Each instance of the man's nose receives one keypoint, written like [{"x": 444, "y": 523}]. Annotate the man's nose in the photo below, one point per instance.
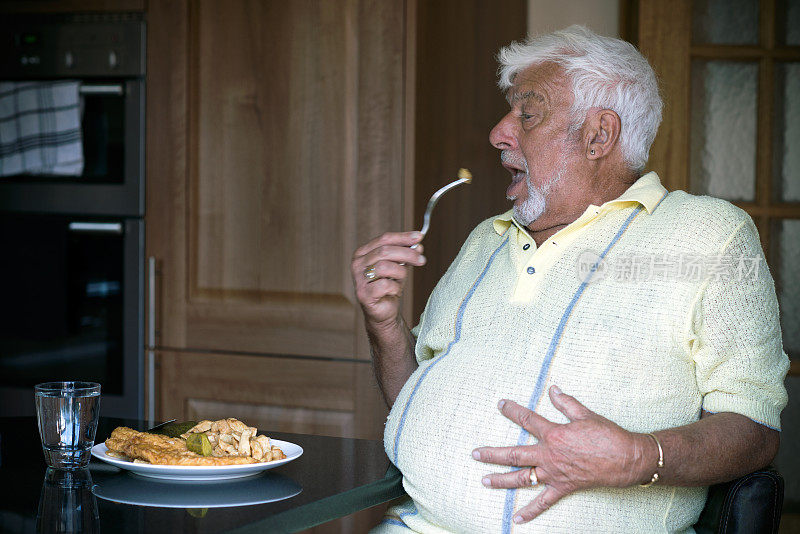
[{"x": 502, "y": 135}]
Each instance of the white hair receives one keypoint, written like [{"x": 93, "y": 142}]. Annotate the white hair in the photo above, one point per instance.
[{"x": 605, "y": 72}]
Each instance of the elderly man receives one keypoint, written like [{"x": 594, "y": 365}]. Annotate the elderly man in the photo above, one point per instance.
[{"x": 571, "y": 372}]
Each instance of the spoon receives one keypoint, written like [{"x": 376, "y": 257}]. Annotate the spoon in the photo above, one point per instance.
[{"x": 464, "y": 177}]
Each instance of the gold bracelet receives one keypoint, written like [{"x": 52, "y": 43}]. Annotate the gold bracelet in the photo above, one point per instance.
[{"x": 660, "y": 462}]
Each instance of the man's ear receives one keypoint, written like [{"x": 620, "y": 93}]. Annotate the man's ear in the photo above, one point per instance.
[{"x": 602, "y": 134}]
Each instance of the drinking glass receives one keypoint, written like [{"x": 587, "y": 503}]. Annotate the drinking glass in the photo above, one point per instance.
[{"x": 67, "y": 413}]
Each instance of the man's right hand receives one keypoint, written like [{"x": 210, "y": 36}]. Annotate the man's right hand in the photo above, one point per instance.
[{"x": 380, "y": 269}]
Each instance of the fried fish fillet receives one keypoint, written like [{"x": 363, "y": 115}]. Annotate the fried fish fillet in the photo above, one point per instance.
[{"x": 162, "y": 450}]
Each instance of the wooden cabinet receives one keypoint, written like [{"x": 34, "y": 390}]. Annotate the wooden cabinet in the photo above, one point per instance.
[
  {"x": 281, "y": 394},
  {"x": 275, "y": 146}
]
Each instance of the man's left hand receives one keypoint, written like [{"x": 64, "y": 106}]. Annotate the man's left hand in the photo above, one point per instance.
[{"x": 588, "y": 451}]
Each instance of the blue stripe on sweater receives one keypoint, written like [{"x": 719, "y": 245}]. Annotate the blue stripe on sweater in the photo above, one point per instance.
[
  {"x": 508, "y": 509},
  {"x": 455, "y": 340}
]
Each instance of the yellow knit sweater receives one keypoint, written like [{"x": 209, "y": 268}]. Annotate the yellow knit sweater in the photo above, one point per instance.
[{"x": 646, "y": 309}]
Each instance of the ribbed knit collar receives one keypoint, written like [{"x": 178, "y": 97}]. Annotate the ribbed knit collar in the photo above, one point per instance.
[{"x": 647, "y": 191}]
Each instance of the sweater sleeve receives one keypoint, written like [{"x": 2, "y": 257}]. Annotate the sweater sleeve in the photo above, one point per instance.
[{"x": 736, "y": 336}]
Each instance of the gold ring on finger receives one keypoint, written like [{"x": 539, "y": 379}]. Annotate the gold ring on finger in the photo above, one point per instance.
[
  {"x": 369, "y": 273},
  {"x": 534, "y": 478}
]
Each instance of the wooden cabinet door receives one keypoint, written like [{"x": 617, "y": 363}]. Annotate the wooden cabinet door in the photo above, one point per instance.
[
  {"x": 275, "y": 394},
  {"x": 275, "y": 146}
]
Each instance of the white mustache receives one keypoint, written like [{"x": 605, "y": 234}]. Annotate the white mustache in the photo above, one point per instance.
[{"x": 506, "y": 156}]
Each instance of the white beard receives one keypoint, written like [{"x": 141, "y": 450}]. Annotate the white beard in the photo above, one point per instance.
[{"x": 533, "y": 206}]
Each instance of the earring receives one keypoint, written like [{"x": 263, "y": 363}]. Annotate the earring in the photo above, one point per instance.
[{"x": 591, "y": 152}]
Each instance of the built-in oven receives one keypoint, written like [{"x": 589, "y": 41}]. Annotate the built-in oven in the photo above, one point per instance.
[
  {"x": 104, "y": 56},
  {"x": 72, "y": 108},
  {"x": 71, "y": 298}
]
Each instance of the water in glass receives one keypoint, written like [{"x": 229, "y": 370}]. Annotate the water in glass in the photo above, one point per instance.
[{"x": 67, "y": 413}]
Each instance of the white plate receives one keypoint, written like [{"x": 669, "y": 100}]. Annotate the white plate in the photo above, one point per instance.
[
  {"x": 199, "y": 473},
  {"x": 248, "y": 491}
]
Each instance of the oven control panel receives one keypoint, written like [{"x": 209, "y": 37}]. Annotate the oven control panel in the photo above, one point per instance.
[{"x": 72, "y": 46}]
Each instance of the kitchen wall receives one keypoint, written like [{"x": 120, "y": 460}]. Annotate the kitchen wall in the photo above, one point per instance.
[{"x": 601, "y": 16}]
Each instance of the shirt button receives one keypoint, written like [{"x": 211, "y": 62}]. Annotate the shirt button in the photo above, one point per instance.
[
  {"x": 526, "y": 246},
  {"x": 531, "y": 270}
]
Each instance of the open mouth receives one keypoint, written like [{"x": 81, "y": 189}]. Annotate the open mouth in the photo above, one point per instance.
[
  {"x": 515, "y": 165},
  {"x": 518, "y": 175}
]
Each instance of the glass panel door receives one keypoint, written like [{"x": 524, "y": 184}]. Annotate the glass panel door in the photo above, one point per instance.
[
  {"x": 725, "y": 22},
  {"x": 724, "y": 124},
  {"x": 786, "y": 156}
]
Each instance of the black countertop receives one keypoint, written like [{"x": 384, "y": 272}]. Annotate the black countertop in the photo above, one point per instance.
[{"x": 333, "y": 478}]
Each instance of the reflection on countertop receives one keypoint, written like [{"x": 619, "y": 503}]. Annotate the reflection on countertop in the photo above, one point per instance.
[
  {"x": 66, "y": 504},
  {"x": 129, "y": 488}
]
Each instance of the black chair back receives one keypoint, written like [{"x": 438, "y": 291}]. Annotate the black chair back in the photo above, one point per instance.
[{"x": 751, "y": 504}]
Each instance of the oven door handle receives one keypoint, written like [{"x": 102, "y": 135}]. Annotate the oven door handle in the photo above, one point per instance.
[
  {"x": 95, "y": 227},
  {"x": 106, "y": 89},
  {"x": 151, "y": 338}
]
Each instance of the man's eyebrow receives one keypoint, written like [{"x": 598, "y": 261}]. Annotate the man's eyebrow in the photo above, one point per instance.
[{"x": 525, "y": 95}]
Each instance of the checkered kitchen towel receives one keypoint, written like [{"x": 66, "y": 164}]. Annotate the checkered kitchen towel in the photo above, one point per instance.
[{"x": 40, "y": 128}]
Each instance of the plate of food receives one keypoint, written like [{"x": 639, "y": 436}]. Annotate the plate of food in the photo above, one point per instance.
[{"x": 209, "y": 450}]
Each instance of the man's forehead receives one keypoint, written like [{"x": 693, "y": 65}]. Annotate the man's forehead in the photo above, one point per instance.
[
  {"x": 517, "y": 94},
  {"x": 536, "y": 83}
]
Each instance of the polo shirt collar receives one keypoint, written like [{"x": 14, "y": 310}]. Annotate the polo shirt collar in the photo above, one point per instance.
[{"x": 647, "y": 191}]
